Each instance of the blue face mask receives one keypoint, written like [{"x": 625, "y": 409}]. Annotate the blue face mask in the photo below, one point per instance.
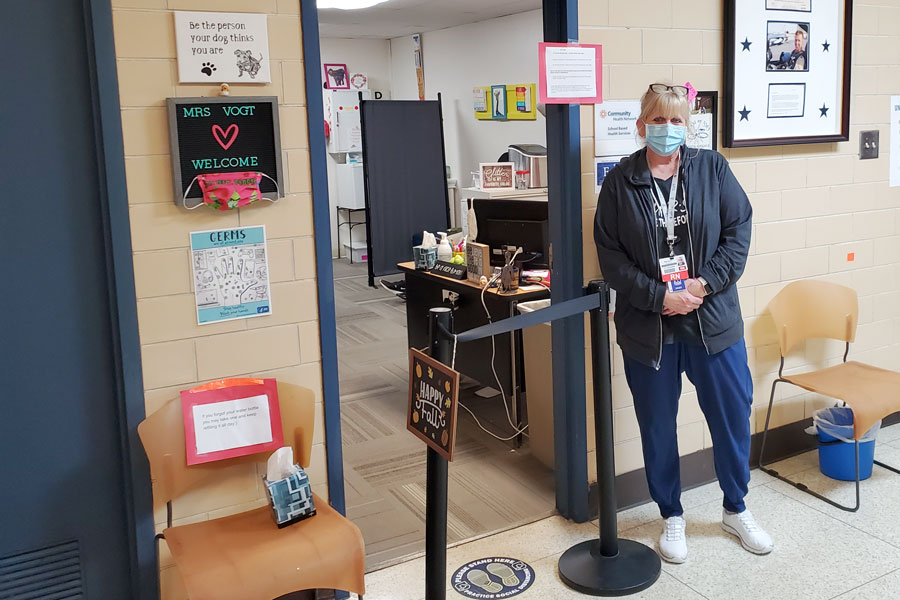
[{"x": 666, "y": 138}]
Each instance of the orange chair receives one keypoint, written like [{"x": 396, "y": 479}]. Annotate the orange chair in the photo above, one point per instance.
[
  {"x": 816, "y": 309},
  {"x": 246, "y": 556}
]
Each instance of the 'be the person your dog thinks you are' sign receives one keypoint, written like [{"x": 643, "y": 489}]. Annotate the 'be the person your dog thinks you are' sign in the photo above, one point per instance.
[{"x": 222, "y": 47}]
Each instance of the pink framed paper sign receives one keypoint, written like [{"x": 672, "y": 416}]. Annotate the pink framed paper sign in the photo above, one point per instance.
[
  {"x": 570, "y": 73},
  {"x": 230, "y": 418}
]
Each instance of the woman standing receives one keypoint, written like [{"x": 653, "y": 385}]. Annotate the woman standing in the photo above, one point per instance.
[{"x": 672, "y": 231}]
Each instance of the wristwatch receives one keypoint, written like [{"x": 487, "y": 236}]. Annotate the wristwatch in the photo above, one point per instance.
[{"x": 706, "y": 286}]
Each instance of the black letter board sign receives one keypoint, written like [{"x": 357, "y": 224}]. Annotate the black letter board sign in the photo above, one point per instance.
[
  {"x": 433, "y": 400},
  {"x": 224, "y": 135}
]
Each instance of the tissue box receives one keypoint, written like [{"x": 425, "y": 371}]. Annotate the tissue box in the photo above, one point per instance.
[{"x": 291, "y": 498}]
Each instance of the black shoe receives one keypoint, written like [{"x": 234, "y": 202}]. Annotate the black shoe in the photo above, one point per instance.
[{"x": 394, "y": 287}]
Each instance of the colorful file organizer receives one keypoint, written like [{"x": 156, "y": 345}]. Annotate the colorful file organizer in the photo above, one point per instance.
[{"x": 520, "y": 103}]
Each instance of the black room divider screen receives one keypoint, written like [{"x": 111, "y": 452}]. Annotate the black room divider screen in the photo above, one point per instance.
[{"x": 406, "y": 186}]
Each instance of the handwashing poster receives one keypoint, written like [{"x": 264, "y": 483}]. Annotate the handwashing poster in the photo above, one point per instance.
[{"x": 231, "y": 274}]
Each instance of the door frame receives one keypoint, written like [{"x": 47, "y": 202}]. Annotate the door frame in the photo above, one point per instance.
[
  {"x": 564, "y": 166},
  {"x": 125, "y": 339}
]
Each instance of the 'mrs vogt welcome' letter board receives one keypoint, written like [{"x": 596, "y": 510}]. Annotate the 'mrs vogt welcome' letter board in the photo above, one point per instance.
[{"x": 224, "y": 135}]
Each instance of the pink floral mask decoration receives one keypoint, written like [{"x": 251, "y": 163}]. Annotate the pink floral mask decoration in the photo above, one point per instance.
[{"x": 226, "y": 191}]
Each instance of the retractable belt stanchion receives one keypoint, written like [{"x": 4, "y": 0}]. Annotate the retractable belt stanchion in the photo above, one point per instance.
[
  {"x": 440, "y": 327},
  {"x": 607, "y": 566}
]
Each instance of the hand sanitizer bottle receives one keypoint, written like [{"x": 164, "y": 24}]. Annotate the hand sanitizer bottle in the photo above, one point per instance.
[{"x": 444, "y": 251}]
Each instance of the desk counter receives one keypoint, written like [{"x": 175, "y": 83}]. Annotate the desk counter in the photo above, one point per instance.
[{"x": 425, "y": 290}]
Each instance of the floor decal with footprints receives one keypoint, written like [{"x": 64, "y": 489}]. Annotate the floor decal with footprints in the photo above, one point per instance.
[{"x": 489, "y": 578}]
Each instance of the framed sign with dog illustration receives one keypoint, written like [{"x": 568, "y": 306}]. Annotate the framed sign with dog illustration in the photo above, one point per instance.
[{"x": 222, "y": 47}]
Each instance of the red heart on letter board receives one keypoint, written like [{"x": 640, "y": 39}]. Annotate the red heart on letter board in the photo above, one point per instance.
[{"x": 225, "y": 137}]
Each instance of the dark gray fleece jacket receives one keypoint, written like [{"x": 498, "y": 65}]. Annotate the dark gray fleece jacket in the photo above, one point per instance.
[{"x": 625, "y": 231}]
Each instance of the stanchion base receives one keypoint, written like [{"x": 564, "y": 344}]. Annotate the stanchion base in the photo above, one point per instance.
[{"x": 585, "y": 570}]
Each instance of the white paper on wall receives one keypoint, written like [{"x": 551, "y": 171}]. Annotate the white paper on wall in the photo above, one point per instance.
[
  {"x": 894, "y": 150},
  {"x": 571, "y": 72},
  {"x": 615, "y": 127},
  {"x": 222, "y": 47}
]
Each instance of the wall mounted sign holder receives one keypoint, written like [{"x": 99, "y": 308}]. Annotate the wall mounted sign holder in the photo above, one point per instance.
[{"x": 224, "y": 134}]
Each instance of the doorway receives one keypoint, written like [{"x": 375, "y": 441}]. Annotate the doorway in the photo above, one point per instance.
[{"x": 384, "y": 465}]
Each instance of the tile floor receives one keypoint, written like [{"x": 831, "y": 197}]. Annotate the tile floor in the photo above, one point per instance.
[
  {"x": 384, "y": 465},
  {"x": 820, "y": 552}
]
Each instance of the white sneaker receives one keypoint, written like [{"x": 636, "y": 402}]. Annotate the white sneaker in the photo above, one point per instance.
[
  {"x": 752, "y": 536},
  {"x": 672, "y": 541}
]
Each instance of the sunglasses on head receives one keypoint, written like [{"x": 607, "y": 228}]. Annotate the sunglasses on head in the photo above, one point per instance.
[{"x": 661, "y": 88}]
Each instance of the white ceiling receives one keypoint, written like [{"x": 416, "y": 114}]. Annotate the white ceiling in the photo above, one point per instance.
[{"x": 396, "y": 18}]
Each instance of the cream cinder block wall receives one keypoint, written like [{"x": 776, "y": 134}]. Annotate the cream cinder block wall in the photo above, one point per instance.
[
  {"x": 814, "y": 204},
  {"x": 177, "y": 353}
]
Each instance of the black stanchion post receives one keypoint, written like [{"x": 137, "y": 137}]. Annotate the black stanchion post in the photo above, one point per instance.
[
  {"x": 440, "y": 324},
  {"x": 608, "y": 566},
  {"x": 603, "y": 424}
]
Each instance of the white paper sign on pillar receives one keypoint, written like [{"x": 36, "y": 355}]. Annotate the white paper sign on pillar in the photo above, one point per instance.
[
  {"x": 222, "y": 47},
  {"x": 894, "y": 151}
]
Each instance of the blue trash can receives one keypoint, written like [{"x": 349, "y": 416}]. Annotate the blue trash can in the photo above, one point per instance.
[{"x": 837, "y": 458}]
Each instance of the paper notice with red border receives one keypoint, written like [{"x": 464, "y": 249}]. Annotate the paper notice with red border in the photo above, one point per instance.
[
  {"x": 231, "y": 418},
  {"x": 570, "y": 73}
]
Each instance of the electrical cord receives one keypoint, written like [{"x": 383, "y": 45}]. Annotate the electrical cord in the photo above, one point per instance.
[
  {"x": 494, "y": 359},
  {"x": 482, "y": 427},
  {"x": 493, "y": 367}
]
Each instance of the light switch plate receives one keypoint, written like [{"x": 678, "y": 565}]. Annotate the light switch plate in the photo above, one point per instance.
[{"x": 868, "y": 144}]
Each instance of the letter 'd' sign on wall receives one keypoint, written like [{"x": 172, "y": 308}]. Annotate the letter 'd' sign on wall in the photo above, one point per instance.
[
  {"x": 433, "y": 400},
  {"x": 224, "y": 135}
]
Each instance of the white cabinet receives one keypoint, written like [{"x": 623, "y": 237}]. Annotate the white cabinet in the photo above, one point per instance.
[
  {"x": 342, "y": 113},
  {"x": 351, "y": 191}
]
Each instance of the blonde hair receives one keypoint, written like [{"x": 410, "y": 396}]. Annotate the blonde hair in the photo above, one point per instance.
[{"x": 668, "y": 104}]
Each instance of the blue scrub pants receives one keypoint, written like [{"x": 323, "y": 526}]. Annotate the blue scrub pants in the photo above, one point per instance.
[{"x": 725, "y": 392}]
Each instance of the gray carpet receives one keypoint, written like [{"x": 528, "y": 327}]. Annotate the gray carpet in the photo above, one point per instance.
[{"x": 491, "y": 488}]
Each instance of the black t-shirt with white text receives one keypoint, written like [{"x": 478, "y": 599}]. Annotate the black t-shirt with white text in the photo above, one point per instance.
[{"x": 676, "y": 328}]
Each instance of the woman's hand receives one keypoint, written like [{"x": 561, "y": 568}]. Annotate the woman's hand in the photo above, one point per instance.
[
  {"x": 695, "y": 287},
  {"x": 680, "y": 303}
]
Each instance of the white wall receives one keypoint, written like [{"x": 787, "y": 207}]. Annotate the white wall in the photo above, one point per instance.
[
  {"x": 369, "y": 56},
  {"x": 372, "y": 57},
  {"x": 498, "y": 51}
]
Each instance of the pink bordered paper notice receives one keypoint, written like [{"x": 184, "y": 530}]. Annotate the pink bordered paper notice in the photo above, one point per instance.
[
  {"x": 230, "y": 418},
  {"x": 570, "y": 73}
]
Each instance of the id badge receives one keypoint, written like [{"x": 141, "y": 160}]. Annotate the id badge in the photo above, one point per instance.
[{"x": 674, "y": 272}]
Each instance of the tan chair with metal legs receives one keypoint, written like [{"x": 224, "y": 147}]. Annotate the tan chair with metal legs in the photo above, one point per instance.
[
  {"x": 246, "y": 556},
  {"x": 816, "y": 309}
]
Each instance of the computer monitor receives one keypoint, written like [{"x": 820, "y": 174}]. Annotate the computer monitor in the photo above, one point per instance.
[{"x": 520, "y": 223}]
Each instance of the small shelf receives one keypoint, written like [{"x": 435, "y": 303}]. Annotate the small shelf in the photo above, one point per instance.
[{"x": 529, "y": 194}]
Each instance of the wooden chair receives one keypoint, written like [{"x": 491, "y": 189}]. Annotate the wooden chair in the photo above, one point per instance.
[
  {"x": 816, "y": 309},
  {"x": 246, "y": 556}
]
